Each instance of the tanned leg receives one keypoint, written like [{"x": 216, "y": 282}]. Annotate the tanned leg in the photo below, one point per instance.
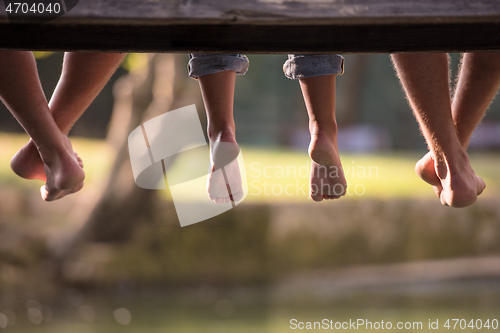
[
  {"x": 477, "y": 83},
  {"x": 22, "y": 93},
  {"x": 327, "y": 180},
  {"x": 218, "y": 95},
  {"x": 426, "y": 83},
  {"x": 83, "y": 77}
]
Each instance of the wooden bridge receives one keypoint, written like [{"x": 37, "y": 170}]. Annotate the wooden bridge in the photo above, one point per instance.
[{"x": 259, "y": 26}]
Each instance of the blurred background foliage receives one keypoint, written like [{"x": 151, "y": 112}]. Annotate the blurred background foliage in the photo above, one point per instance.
[{"x": 114, "y": 258}]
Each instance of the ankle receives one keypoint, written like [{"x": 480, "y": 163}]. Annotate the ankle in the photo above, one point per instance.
[
  {"x": 316, "y": 128},
  {"x": 464, "y": 143},
  {"x": 450, "y": 163},
  {"x": 323, "y": 132},
  {"x": 218, "y": 133},
  {"x": 48, "y": 154},
  {"x": 51, "y": 152}
]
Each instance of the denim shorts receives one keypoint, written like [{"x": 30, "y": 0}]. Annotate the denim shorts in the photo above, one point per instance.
[{"x": 298, "y": 66}]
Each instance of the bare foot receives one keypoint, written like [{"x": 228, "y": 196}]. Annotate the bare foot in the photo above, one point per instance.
[
  {"x": 327, "y": 179},
  {"x": 455, "y": 183},
  {"x": 63, "y": 171},
  {"x": 426, "y": 170},
  {"x": 27, "y": 163},
  {"x": 49, "y": 194},
  {"x": 224, "y": 183}
]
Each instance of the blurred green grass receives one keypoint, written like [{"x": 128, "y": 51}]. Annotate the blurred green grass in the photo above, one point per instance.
[
  {"x": 95, "y": 155},
  {"x": 374, "y": 175},
  {"x": 281, "y": 175}
]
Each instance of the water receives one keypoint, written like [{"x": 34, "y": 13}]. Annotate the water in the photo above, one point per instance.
[{"x": 262, "y": 309}]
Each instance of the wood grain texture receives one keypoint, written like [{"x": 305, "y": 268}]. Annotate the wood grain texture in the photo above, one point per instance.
[
  {"x": 284, "y": 12},
  {"x": 266, "y": 26}
]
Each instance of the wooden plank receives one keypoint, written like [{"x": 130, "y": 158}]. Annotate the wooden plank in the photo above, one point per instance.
[
  {"x": 265, "y": 26},
  {"x": 258, "y": 39},
  {"x": 285, "y": 12}
]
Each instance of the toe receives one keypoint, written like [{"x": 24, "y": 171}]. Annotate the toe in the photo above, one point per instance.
[
  {"x": 481, "y": 185},
  {"x": 44, "y": 193},
  {"x": 437, "y": 190},
  {"x": 80, "y": 161},
  {"x": 316, "y": 196},
  {"x": 49, "y": 194},
  {"x": 223, "y": 200},
  {"x": 342, "y": 192},
  {"x": 443, "y": 199}
]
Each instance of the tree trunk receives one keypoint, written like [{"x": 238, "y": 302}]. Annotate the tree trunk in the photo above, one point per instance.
[
  {"x": 350, "y": 105},
  {"x": 141, "y": 95}
]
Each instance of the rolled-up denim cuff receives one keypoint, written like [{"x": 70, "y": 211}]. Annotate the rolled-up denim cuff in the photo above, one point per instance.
[
  {"x": 300, "y": 66},
  {"x": 204, "y": 64}
]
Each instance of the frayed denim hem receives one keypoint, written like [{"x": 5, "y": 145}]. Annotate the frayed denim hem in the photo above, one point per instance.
[
  {"x": 204, "y": 64},
  {"x": 308, "y": 65}
]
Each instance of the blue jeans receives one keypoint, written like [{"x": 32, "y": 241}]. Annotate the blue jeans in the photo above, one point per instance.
[{"x": 298, "y": 66}]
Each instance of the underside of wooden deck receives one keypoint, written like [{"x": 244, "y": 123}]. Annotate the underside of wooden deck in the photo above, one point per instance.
[{"x": 259, "y": 26}]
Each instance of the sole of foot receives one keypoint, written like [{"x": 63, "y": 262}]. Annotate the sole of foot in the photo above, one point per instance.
[
  {"x": 327, "y": 180},
  {"x": 224, "y": 184}
]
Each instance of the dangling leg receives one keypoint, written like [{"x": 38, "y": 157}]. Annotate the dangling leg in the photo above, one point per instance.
[
  {"x": 22, "y": 93},
  {"x": 477, "y": 84},
  {"x": 327, "y": 176},
  {"x": 82, "y": 79},
  {"x": 426, "y": 82},
  {"x": 216, "y": 75}
]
